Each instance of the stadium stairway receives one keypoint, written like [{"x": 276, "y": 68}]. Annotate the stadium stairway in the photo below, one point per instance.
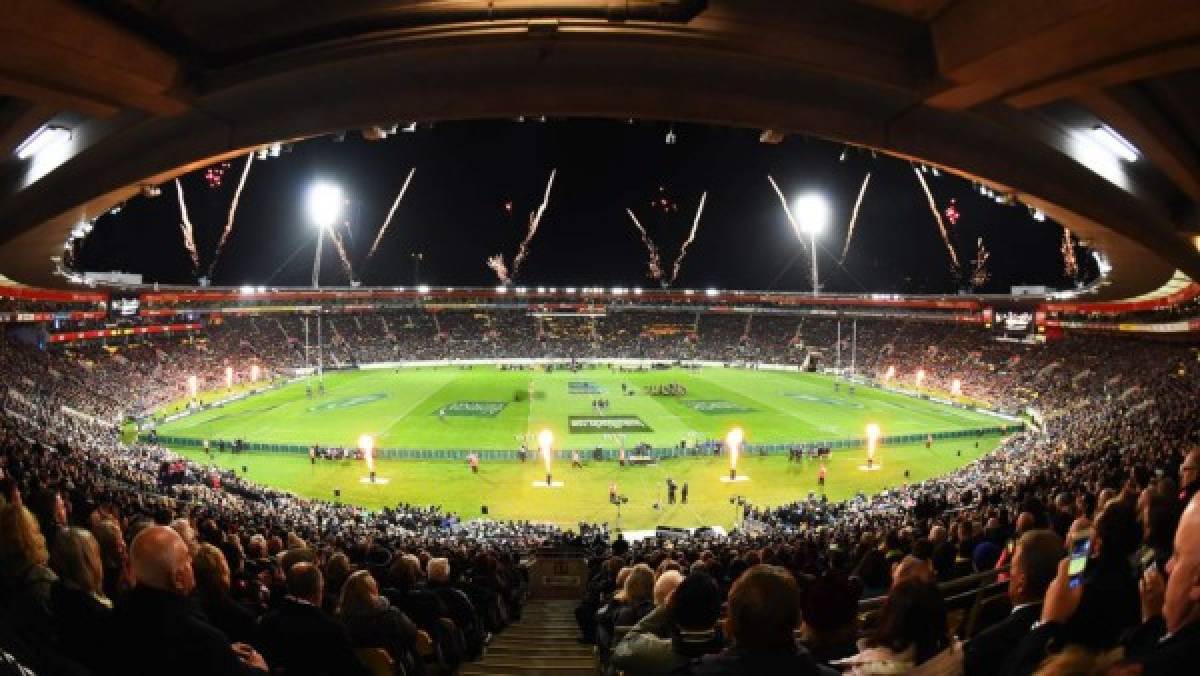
[{"x": 544, "y": 643}]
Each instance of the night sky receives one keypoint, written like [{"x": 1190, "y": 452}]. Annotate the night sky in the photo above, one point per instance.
[{"x": 454, "y": 213}]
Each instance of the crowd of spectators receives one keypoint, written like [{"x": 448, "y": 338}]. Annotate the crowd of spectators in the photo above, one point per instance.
[{"x": 106, "y": 568}]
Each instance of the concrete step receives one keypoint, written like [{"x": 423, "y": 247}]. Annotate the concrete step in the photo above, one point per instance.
[
  {"x": 574, "y": 650},
  {"x": 525, "y": 668}
]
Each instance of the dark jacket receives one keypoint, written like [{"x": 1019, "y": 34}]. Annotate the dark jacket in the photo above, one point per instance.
[
  {"x": 82, "y": 624},
  {"x": 302, "y": 640},
  {"x": 460, "y": 609},
  {"x": 775, "y": 663},
  {"x": 655, "y": 646},
  {"x": 232, "y": 618},
  {"x": 386, "y": 628},
  {"x": 986, "y": 654},
  {"x": 1175, "y": 654},
  {"x": 159, "y": 632}
]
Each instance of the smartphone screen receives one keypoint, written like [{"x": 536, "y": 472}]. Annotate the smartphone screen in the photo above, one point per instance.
[{"x": 1081, "y": 545}]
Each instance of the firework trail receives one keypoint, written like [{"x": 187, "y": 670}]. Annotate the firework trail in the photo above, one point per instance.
[
  {"x": 383, "y": 228},
  {"x": 189, "y": 237},
  {"x": 980, "y": 274},
  {"x": 655, "y": 262},
  {"x": 496, "y": 263},
  {"x": 786, "y": 209},
  {"x": 233, "y": 205},
  {"x": 812, "y": 273},
  {"x": 687, "y": 242},
  {"x": 341, "y": 249},
  {"x": 854, "y": 216},
  {"x": 937, "y": 216},
  {"x": 535, "y": 219},
  {"x": 1070, "y": 264}
]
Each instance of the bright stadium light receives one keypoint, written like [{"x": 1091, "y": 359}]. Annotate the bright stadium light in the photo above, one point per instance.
[
  {"x": 812, "y": 217},
  {"x": 44, "y": 138},
  {"x": 324, "y": 204},
  {"x": 812, "y": 214},
  {"x": 1114, "y": 143}
]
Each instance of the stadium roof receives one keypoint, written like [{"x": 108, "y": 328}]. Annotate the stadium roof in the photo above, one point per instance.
[{"x": 1009, "y": 92}]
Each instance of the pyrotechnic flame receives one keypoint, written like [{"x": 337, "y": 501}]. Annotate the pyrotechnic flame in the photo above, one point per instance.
[
  {"x": 233, "y": 205},
  {"x": 854, "y": 216},
  {"x": 496, "y": 263},
  {"x": 687, "y": 242},
  {"x": 733, "y": 441},
  {"x": 891, "y": 373},
  {"x": 535, "y": 219},
  {"x": 872, "y": 439},
  {"x": 254, "y": 372},
  {"x": 189, "y": 237},
  {"x": 228, "y": 376},
  {"x": 391, "y": 212},
  {"x": 366, "y": 443},
  {"x": 545, "y": 441},
  {"x": 956, "y": 387},
  {"x": 937, "y": 216},
  {"x": 655, "y": 262},
  {"x": 920, "y": 376},
  {"x": 193, "y": 386}
]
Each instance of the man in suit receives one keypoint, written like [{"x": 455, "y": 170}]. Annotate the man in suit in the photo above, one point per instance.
[
  {"x": 157, "y": 630},
  {"x": 300, "y": 638},
  {"x": 1034, "y": 565}
]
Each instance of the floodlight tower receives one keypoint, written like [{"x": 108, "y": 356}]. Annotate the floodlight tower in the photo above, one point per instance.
[
  {"x": 324, "y": 206},
  {"x": 812, "y": 215}
]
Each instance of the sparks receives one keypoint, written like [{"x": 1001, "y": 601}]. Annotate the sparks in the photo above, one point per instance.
[
  {"x": 687, "y": 242},
  {"x": 854, "y": 216},
  {"x": 391, "y": 212},
  {"x": 655, "y": 261},
  {"x": 937, "y": 216},
  {"x": 189, "y": 237},
  {"x": 233, "y": 205}
]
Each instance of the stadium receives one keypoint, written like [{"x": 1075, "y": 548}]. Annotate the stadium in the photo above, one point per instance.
[{"x": 665, "y": 337}]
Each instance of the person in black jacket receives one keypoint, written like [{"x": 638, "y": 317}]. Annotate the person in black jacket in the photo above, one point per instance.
[
  {"x": 458, "y": 607},
  {"x": 301, "y": 639},
  {"x": 764, "y": 612},
  {"x": 1034, "y": 565},
  {"x": 82, "y": 615},
  {"x": 159, "y": 632},
  {"x": 213, "y": 581}
]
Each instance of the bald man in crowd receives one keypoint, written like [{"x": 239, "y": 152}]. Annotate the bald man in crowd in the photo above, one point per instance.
[
  {"x": 156, "y": 629},
  {"x": 299, "y": 637}
]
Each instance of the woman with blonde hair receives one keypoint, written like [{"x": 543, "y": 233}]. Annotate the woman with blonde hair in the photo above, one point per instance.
[
  {"x": 23, "y": 556},
  {"x": 82, "y": 612},
  {"x": 373, "y": 623}
]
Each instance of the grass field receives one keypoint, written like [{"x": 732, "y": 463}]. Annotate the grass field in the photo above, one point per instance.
[
  {"x": 487, "y": 408},
  {"x": 506, "y": 487},
  {"x": 401, "y": 409}
]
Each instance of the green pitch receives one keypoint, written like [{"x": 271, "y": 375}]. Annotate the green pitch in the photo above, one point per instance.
[
  {"x": 506, "y": 487},
  {"x": 485, "y": 408}
]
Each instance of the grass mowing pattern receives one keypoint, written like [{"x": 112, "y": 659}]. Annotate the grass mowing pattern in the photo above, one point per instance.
[{"x": 402, "y": 408}]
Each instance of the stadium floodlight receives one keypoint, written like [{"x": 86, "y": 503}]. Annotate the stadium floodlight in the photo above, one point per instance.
[
  {"x": 812, "y": 217},
  {"x": 324, "y": 204},
  {"x": 44, "y": 138}
]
